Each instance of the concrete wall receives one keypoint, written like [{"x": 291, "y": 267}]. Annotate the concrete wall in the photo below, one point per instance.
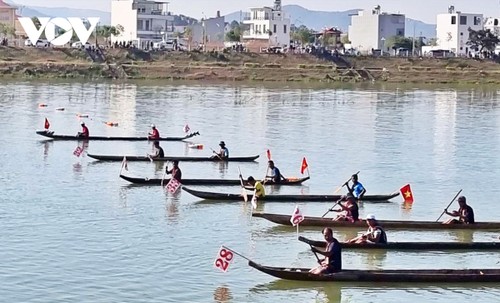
[
  {"x": 454, "y": 37},
  {"x": 123, "y": 14}
]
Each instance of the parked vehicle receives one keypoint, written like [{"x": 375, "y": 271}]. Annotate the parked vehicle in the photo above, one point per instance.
[
  {"x": 39, "y": 43},
  {"x": 79, "y": 44}
]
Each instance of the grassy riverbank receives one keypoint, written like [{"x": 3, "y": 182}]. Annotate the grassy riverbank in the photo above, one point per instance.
[{"x": 134, "y": 64}]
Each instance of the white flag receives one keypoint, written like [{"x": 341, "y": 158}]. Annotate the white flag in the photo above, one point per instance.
[
  {"x": 297, "y": 216},
  {"x": 224, "y": 259}
]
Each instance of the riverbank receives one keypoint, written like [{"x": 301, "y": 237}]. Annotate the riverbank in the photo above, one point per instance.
[{"x": 124, "y": 64}]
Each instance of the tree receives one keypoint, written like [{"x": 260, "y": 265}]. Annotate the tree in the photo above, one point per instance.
[
  {"x": 107, "y": 31},
  {"x": 303, "y": 34},
  {"x": 234, "y": 35},
  {"x": 188, "y": 33},
  {"x": 482, "y": 39},
  {"x": 7, "y": 30},
  {"x": 396, "y": 42},
  {"x": 432, "y": 42},
  {"x": 345, "y": 39}
]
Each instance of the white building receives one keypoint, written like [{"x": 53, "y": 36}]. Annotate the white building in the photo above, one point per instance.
[
  {"x": 267, "y": 25},
  {"x": 370, "y": 29},
  {"x": 493, "y": 24},
  {"x": 209, "y": 32},
  {"x": 144, "y": 21},
  {"x": 452, "y": 30}
]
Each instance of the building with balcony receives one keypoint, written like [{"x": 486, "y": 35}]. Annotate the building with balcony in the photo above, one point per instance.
[
  {"x": 452, "y": 30},
  {"x": 370, "y": 29},
  {"x": 267, "y": 27},
  {"x": 144, "y": 21}
]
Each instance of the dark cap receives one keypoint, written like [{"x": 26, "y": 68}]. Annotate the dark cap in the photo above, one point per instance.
[
  {"x": 222, "y": 143},
  {"x": 461, "y": 199}
]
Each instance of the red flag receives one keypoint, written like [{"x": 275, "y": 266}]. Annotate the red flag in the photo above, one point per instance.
[
  {"x": 304, "y": 165},
  {"x": 268, "y": 154},
  {"x": 173, "y": 186},
  {"x": 407, "y": 193},
  {"x": 224, "y": 259},
  {"x": 297, "y": 216},
  {"x": 78, "y": 151},
  {"x": 47, "y": 124},
  {"x": 186, "y": 128}
]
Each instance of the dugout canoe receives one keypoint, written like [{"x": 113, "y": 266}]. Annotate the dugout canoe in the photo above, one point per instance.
[
  {"x": 411, "y": 245},
  {"x": 51, "y": 135},
  {"x": 388, "y": 224},
  {"x": 146, "y": 181},
  {"x": 284, "y": 198},
  {"x": 393, "y": 275},
  {"x": 172, "y": 158}
]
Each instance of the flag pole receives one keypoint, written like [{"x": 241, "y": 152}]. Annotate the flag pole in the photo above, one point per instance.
[{"x": 298, "y": 230}]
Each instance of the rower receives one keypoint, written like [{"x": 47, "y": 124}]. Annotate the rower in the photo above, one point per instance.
[
  {"x": 223, "y": 152},
  {"x": 350, "y": 209},
  {"x": 158, "y": 151},
  {"x": 333, "y": 255},
  {"x": 465, "y": 213},
  {"x": 154, "y": 134},
  {"x": 374, "y": 235},
  {"x": 275, "y": 176},
  {"x": 85, "y": 131},
  {"x": 175, "y": 171},
  {"x": 257, "y": 186},
  {"x": 357, "y": 189}
]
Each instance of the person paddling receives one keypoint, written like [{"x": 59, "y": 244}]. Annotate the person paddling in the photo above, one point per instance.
[
  {"x": 350, "y": 209},
  {"x": 175, "y": 171},
  {"x": 85, "y": 131},
  {"x": 465, "y": 213},
  {"x": 374, "y": 235},
  {"x": 257, "y": 186},
  {"x": 158, "y": 151},
  {"x": 357, "y": 189},
  {"x": 223, "y": 153},
  {"x": 275, "y": 176},
  {"x": 154, "y": 134},
  {"x": 333, "y": 253}
]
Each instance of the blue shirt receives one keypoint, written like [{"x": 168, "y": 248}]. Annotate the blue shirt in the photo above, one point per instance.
[
  {"x": 275, "y": 174},
  {"x": 224, "y": 152},
  {"x": 357, "y": 189}
]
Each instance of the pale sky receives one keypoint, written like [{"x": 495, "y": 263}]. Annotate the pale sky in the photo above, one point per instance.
[{"x": 424, "y": 10}]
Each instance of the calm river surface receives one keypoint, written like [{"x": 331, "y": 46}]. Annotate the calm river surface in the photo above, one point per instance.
[{"x": 73, "y": 231}]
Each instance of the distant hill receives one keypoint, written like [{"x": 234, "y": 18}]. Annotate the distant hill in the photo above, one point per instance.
[{"x": 341, "y": 19}]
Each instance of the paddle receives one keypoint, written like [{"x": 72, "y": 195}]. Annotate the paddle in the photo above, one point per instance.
[
  {"x": 446, "y": 209},
  {"x": 164, "y": 173},
  {"x": 243, "y": 189},
  {"x": 340, "y": 187},
  {"x": 217, "y": 154},
  {"x": 315, "y": 254},
  {"x": 329, "y": 210}
]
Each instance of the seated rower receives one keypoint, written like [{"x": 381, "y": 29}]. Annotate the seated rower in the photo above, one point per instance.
[
  {"x": 374, "y": 235},
  {"x": 223, "y": 153},
  {"x": 465, "y": 213},
  {"x": 357, "y": 189},
  {"x": 275, "y": 176},
  {"x": 154, "y": 134},
  {"x": 85, "y": 131},
  {"x": 350, "y": 210},
  {"x": 158, "y": 151},
  {"x": 175, "y": 171},
  {"x": 333, "y": 253},
  {"x": 257, "y": 186}
]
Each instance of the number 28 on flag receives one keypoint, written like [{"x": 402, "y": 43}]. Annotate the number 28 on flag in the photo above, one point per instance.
[{"x": 224, "y": 259}]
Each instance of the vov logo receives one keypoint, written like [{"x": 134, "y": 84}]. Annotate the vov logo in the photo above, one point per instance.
[{"x": 51, "y": 25}]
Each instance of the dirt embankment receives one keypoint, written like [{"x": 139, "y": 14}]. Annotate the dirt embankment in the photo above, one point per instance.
[{"x": 136, "y": 64}]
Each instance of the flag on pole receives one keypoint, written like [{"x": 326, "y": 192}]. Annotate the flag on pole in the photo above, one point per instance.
[
  {"x": 47, "y": 124},
  {"x": 186, "y": 128},
  {"x": 297, "y": 216},
  {"x": 224, "y": 259},
  {"x": 407, "y": 193},
  {"x": 304, "y": 166},
  {"x": 173, "y": 186},
  {"x": 124, "y": 163},
  {"x": 268, "y": 155},
  {"x": 78, "y": 151}
]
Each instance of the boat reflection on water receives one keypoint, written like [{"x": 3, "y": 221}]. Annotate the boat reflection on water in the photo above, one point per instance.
[
  {"x": 325, "y": 292},
  {"x": 172, "y": 206},
  {"x": 222, "y": 294},
  {"x": 46, "y": 148}
]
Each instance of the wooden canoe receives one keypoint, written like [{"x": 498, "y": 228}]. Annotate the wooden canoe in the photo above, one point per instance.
[
  {"x": 51, "y": 135},
  {"x": 284, "y": 198},
  {"x": 146, "y": 181},
  {"x": 172, "y": 158},
  {"x": 388, "y": 224},
  {"x": 411, "y": 245},
  {"x": 393, "y": 275}
]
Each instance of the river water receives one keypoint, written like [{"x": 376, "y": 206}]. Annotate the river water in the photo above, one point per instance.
[{"x": 73, "y": 231}]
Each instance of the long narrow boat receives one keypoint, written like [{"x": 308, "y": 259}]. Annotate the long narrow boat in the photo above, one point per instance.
[
  {"x": 389, "y": 224},
  {"x": 172, "y": 158},
  {"x": 411, "y": 245},
  {"x": 51, "y": 135},
  {"x": 284, "y": 198},
  {"x": 393, "y": 275},
  {"x": 146, "y": 181}
]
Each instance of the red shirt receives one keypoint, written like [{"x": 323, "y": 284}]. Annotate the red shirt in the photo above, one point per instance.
[
  {"x": 155, "y": 134},
  {"x": 85, "y": 131}
]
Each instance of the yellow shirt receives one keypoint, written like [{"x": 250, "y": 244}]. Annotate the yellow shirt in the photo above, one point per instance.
[{"x": 259, "y": 190}]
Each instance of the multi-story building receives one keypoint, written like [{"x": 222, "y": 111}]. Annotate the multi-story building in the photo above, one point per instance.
[
  {"x": 9, "y": 18},
  {"x": 452, "y": 30},
  {"x": 144, "y": 21},
  {"x": 209, "y": 33},
  {"x": 493, "y": 24},
  {"x": 370, "y": 29},
  {"x": 268, "y": 26}
]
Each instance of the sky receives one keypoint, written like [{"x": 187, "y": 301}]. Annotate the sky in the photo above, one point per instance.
[{"x": 424, "y": 10}]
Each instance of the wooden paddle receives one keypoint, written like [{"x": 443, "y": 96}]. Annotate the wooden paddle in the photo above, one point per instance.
[
  {"x": 329, "y": 210},
  {"x": 446, "y": 209},
  {"x": 315, "y": 254},
  {"x": 340, "y": 187}
]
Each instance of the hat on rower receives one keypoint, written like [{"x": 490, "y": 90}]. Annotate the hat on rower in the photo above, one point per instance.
[
  {"x": 222, "y": 143},
  {"x": 370, "y": 217},
  {"x": 461, "y": 199},
  {"x": 153, "y": 126},
  {"x": 83, "y": 123}
]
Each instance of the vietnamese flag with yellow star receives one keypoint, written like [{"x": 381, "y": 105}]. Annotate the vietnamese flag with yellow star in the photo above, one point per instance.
[{"x": 407, "y": 193}]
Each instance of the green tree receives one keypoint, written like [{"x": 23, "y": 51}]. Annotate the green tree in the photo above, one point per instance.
[
  {"x": 7, "y": 30},
  {"x": 234, "y": 35},
  {"x": 482, "y": 39},
  {"x": 303, "y": 34},
  {"x": 345, "y": 39},
  {"x": 396, "y": 42},
  {"x": 107, "y": 31}
]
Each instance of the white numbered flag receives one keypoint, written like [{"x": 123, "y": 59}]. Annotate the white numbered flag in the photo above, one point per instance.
[
  {"x": 224, "y": 259},
  {"x": 173, "y": 186},
  {"x": 297, "y": 216}
]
